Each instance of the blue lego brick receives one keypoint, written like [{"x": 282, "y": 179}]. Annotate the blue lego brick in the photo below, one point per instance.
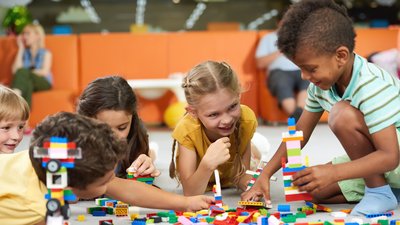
[
  {"x": 59, "y": 139},
  {"x": 290, "y": 170},
  {"x": 291, "y": 121},
  {"x": 285, "y": 214},
  {"x": 393, "y": 222},
  {"x": 138, "y": 222},
  {"x": 70, "y": 197},
  {"x": 193, "y": 219},
  {"x": 284, "y": 208},
  {"x": 218, "y": 198},
  {"x": 351, "y": 223},
  {"x": 264, "y": 220},
  {"x": 99, "y": 213},
  {"x": 68, "y": 164},
  {"x": 388, "y": 214}
]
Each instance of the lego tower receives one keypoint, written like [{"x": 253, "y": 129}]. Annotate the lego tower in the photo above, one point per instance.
[{"x": 293, "y": 139}]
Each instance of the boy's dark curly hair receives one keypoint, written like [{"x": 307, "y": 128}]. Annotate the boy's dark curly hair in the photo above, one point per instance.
[
  {"x": 321, "y": 25},
  {"x": 101, "y": 150}
]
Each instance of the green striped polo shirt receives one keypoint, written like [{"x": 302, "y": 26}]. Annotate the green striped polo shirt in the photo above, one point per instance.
[{"x": 372, "y": 90}]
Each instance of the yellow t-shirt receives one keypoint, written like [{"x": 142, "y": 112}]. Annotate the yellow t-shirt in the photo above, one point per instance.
[
  {"x": 21, "y": 193},
  {"x": 190, "y": 133}
]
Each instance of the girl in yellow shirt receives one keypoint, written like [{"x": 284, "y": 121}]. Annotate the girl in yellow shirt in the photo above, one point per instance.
[{"x": 215, "y": 133}]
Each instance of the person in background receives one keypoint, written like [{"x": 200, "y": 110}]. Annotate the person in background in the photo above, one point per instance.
[
  {"x": 282, "y": 75},
  {"x": 32, "y": 64}
]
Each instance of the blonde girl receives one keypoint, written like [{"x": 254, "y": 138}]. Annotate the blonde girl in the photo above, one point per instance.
[{"x": 215, "y": 133}]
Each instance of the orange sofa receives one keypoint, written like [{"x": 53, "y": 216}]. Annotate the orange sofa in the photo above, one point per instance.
[
  {"x": 79, "y": 59},
  {"x": 65, "y": 75},
  {"x": 144, "y": 56},
  {"x": 367, "y": 42}
]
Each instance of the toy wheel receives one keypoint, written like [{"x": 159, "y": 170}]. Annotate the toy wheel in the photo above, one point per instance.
[
  {"x": 66, "y": 211},
  {"x": 53, "y": 205},
  {"x": 53, "y": 165}
]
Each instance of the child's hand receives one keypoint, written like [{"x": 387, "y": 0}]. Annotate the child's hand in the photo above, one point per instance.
[
  {"x": 258, "y": 190},
  {"x": 315, "y": 178},
  {"x": 143, "y": 165},
  {"x": 198, "y": 202},
  {"x": 217, "y": 153}
]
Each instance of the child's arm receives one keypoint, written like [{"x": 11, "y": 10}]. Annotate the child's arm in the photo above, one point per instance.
[
  {"x": 246, "y": 161},
  {"x": 144, "y": 195},
  {"x": 306, "y": 123},
  {"x": 143, "y": 165},
  {"x": 383, "y": 159},
  {"x": 195, "y": 179}
]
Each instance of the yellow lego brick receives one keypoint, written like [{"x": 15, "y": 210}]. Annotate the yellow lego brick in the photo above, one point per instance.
[
  {"x": 247, "y": 203},
  {"x": 255, "y": 217},
  {"x": 292, "y": 188},
  {"x": 202, "y": 212},
  {"x": 59, "y": 145},
  {"x": 189, "y": 214},
  {"x": 240, "y": 219},
  {"x": 133, "y": 216},
  {"x": 80, "y": 218}
]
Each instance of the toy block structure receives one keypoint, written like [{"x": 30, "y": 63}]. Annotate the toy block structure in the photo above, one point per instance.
[
  {"x": 217, "y": 190},
  {"x": 294, "y": 163},
  {"x": 133, "y": 176},
  {"x": 57, "y": 155}
]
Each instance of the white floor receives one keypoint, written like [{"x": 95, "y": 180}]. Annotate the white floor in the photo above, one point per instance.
[{"x": 322, "y": 147}]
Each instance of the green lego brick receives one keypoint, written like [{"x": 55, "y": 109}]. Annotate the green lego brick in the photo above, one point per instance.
[
  {"x": 163, "y": 214},
  {"x": 383, "y": 222},
  {"x": 295, "y": 165},
  {"x": 301, "y": 215},
  {"x": 144, "y": 179},
  {"x": 287, "y": 183},
  {"x": 210, "y": 220},
  {"x": 289, "y": 219},
  {"x": 294, "y": 152},
  {"x": 172, "y": 219},
  {"x": 263, "y": 211}
]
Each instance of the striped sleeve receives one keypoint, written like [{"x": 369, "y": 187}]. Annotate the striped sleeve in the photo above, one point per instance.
[
  {"x": 378, "y": 98},
  {"x": 312, "y": 104}
]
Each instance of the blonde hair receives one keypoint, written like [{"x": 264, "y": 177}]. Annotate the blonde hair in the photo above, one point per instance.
[
  {"x": 13, "y": 106},
  {"x": 38, "y": 29},
  {"x": 207, "y": 78}
]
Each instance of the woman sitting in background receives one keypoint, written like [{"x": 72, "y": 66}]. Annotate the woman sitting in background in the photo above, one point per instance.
[{"x": 32, "y": 64}]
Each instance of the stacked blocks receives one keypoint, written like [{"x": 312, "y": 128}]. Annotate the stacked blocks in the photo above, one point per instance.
[
  {"x": 217, "y": 190},
  {"x": 146, "y": 179},
  {"x": 293, "y": 139}
]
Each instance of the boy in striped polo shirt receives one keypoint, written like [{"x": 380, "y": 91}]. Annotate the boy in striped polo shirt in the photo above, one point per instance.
[{"x": 364, "y": 105}]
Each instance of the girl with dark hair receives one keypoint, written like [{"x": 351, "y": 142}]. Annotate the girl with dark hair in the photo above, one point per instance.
[{"x": 111, "y": 100}]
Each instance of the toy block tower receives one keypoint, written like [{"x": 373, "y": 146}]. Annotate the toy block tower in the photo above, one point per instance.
[
  {"x": 217, "y": 190},
  {"x": 293, "y": 139}
]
